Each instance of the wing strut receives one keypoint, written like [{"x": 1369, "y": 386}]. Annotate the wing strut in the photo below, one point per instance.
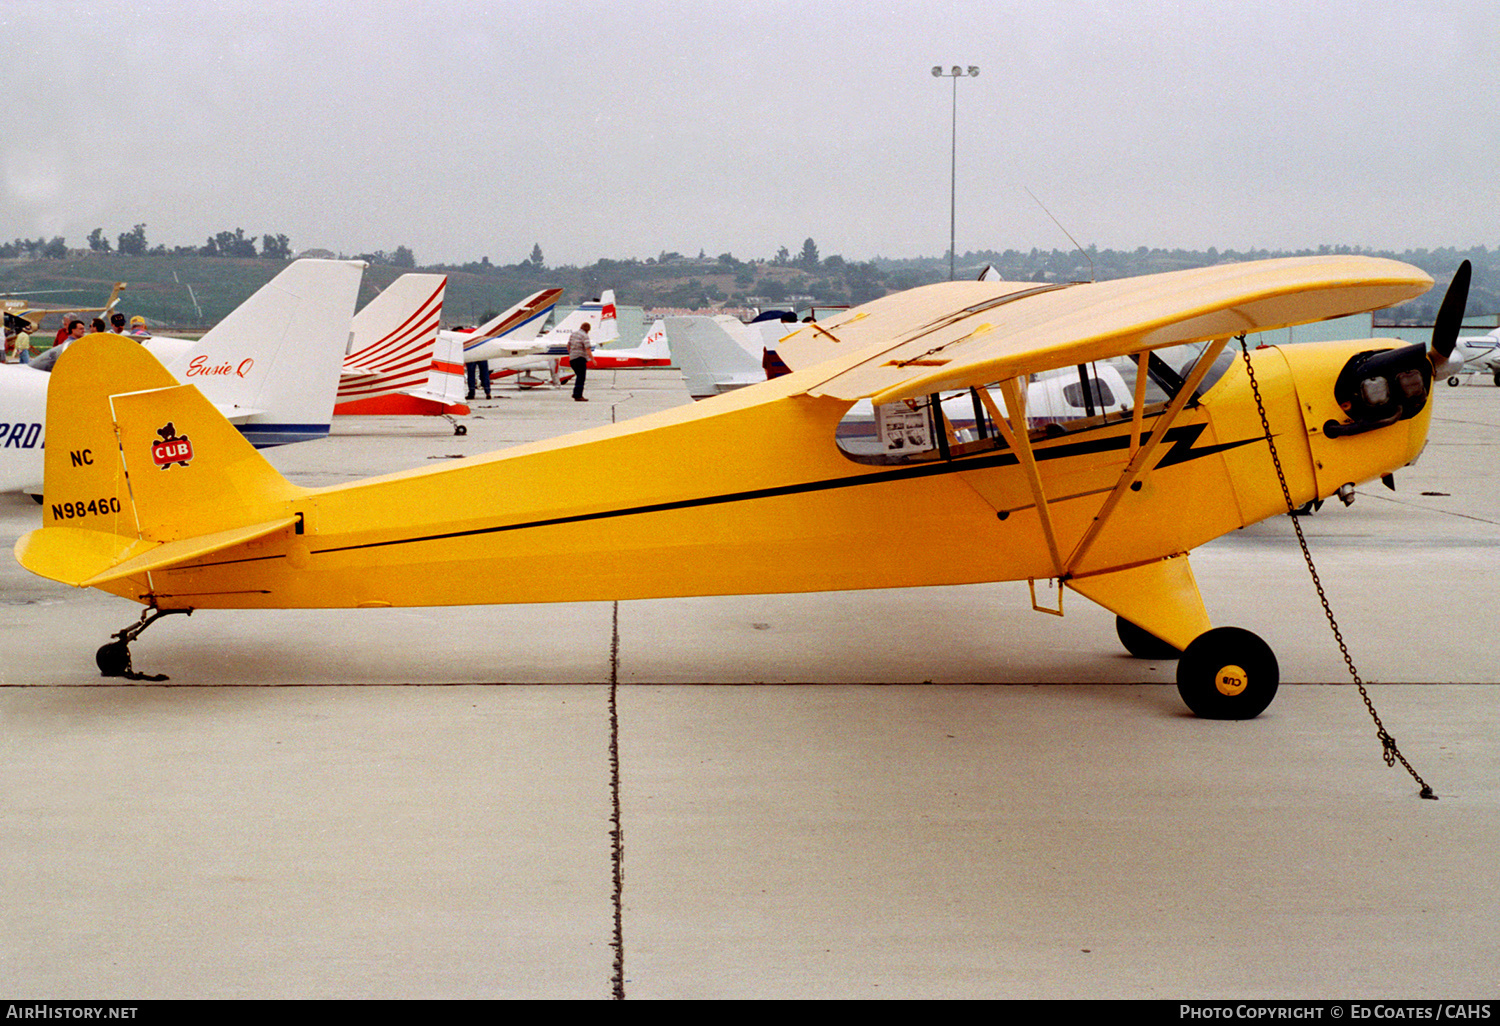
[
  {"x": 1142, "y": 455},
  {"x": 1019, "y": 439}
]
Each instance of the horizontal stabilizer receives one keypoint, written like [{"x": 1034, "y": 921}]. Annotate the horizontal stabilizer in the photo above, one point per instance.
[{"x": 86, "y": 559}]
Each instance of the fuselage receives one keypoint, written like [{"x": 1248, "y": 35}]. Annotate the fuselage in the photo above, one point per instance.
[{"x": 750, "y": 492}]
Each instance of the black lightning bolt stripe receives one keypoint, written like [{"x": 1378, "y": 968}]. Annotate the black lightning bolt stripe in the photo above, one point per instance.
[{"x": 1180, "y": 439}]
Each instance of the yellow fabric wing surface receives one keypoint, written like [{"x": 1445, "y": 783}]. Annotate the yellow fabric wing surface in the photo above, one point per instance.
[{"x": 956, "y": 334}]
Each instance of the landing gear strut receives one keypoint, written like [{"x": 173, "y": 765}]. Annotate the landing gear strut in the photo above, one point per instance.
[
  {"x": 1228, "y": 674},
  {"x": 113, "y": 659}
]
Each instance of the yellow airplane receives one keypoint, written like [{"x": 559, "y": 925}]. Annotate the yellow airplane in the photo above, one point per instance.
[{"x": 899, "y": 452}]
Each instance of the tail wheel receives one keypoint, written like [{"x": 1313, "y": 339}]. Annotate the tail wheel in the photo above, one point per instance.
[
  {"x": 1142, "y": 644},
  {"x": 113, "y": 659},
  {"x": 1228, "y": 674}
]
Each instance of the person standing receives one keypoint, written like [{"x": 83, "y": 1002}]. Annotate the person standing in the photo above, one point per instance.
[
  {"x": 479, "y": 373},
  {"x": 580, "y": 350}
]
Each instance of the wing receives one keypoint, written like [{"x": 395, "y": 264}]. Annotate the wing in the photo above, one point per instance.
[{"x": 957, "y": 334}]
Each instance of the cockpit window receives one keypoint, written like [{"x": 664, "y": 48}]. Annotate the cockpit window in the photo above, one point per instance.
[{"x": 1058, "y": 402}]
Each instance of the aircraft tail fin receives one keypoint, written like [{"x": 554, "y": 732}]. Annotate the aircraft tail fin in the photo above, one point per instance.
[
  {"x": 272, "y": 365},
  {"x": 609, "y": 319},
  {"x": 522, "y": 321},
  {"x": 600, "y": 314},
  {"x": 711, "y": 359},
  {"x": 142, "y": 473},
  {"x": 447, "y": 382},
  {"x": 655, "y": 346},
  {"x": 392, "y": 339}
]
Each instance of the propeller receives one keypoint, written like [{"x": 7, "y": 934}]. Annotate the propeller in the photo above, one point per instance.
[{"x": 1450, "y": 318}]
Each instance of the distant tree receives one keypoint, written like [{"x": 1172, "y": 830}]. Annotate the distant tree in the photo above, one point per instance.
[
  {"x": 209, "y": 248},
  {"x": 865, "y": 282},
  {"x": 535, "y": 260},
  {"x": 771, "y": 289},
  {"x": 809, "y": 258},
  {"x": 97, "y": 242},
  {"x": 275, "y": 247},
  {"x": 783, "y": 257},
  {"x": 133, "y": 242},
  {"x": 232, "y": 244},
  {"x": 403, "y": 258},
  {"x": 56, "y": 249}
]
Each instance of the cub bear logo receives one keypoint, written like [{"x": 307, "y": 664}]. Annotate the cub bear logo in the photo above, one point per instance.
[{"x": 172, "y": 448}]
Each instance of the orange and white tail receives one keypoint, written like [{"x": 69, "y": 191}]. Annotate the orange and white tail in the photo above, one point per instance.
[
  {"x": 392, "y": 340},
  {"x": 443, "y": 394}
]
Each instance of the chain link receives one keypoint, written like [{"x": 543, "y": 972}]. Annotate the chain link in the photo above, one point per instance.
[{"x": 1389, "y": 751}]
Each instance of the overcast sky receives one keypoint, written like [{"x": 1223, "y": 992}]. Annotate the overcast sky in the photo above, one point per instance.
[{"x": 466, "y": 129}]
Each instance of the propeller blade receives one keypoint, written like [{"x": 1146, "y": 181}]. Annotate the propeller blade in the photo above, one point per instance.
[{"x": 1450, "y": 316}]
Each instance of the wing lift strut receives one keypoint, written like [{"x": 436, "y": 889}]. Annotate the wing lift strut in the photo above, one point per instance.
[{"x": 1143, "y": 446}]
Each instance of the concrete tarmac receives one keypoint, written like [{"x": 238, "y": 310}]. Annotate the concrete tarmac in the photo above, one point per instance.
[{"x": 913, "y": 793}]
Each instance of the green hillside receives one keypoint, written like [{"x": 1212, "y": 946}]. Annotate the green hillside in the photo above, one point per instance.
[{"x": 191, "y": 292}]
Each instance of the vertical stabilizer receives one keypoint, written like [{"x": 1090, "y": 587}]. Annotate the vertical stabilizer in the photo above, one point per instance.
[
  {"x": 272, "y": 366},
  {"x": 143, "y": 472},
  {"x": 393, "y": 338}
]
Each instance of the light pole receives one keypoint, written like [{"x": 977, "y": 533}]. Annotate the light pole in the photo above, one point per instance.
[{"x": 955, "y": 74}]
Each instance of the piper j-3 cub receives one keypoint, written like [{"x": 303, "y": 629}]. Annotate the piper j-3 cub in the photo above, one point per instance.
[{"x": 780, "y": 487}]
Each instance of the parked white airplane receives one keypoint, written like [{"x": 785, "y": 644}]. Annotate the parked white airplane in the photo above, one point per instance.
[
  {"x": 512, "y": 332},
  {"x": 271, "y": 367},
  {"x": 399, "y": 362},
  {"x": 549, "y": 353},
  {"x": 1473, "y": 354},
  {"x": 391, "y": 343},
  {"x": 652, "y": 352}
]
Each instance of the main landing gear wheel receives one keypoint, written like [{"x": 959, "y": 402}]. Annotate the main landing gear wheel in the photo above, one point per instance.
[
  {"x": 1142, "y": 644},
  {"x": 1228, "y": 674},
  {"x": 1452, "y": 382}
]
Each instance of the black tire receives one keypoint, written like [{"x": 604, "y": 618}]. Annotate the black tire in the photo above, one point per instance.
[
  {"x": 1453, "y": 382},
  {"x": 460, "y": 429},
  {"x": 113, "y": 659},
  {"x": 1228, "y": 674},
  {"x": 1142, "y": 644},
  {"x": 1497, "y": 377}
]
